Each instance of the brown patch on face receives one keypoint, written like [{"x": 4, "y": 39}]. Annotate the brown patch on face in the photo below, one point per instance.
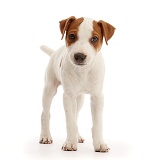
[
  {"x": 97, "y": 37},
  {"x": 101, "y": 29},
  {"x": 63, "y": 24},
  {"x": 72, "y": 32},
  {"x": 70, "y": 27}
]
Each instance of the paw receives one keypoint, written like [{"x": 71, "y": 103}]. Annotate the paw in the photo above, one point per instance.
[
  {"x": 80, "y": 139},
  {"x": 101, "y": 148},
  {"x": 68, "y": 146},
  {"x": 45, "y": 140}
]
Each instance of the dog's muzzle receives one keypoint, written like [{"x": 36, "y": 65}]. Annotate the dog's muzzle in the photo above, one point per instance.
[{"x": 79, "y": 58}]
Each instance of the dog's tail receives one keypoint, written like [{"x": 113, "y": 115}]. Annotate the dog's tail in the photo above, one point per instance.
[{"x": 47, "y": 50}]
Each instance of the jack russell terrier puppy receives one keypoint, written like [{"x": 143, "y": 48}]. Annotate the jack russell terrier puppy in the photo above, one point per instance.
[{"x": 79, "y": 68}]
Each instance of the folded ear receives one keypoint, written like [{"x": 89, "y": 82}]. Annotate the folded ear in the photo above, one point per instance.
[
  {"x": 107, "y": 30},
  {"x": 64, "y": 24}
]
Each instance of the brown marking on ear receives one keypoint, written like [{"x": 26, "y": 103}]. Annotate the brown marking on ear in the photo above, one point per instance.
[
  {"x": 73, "y": 29},
  {"x": 64, "y": 24},
  {"x": 97, "y": 33},
  {"x": 107, "y": 30}
]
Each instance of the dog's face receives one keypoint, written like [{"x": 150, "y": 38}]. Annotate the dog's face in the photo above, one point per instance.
[{"x": 84, "y": 38}]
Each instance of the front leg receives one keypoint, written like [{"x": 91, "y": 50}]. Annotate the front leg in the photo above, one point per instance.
[
  {"x": 97, "y": 103},
  {"x": 70, "y": 107}
]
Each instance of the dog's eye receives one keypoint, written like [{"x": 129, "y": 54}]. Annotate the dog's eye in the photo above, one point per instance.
[
  {"x": 72, "y": 36},
  {"x": 94, "y": 39}
]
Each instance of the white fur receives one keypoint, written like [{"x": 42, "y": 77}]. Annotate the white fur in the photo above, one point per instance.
[
  {"x": 76, "y": 81},
  {"x": 47, "y": 50}
]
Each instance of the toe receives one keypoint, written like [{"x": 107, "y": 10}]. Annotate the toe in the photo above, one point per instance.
[
  {"x": 80, "y": 140},
  {"x": 69, "y": 147},
  {"x": 45, "y": 141},
  {"x": 102, "y": 148}
]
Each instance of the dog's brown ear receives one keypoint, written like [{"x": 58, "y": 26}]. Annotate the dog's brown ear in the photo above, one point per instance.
[
  {"x": 107, "y": 30},
  {"x": 64, "y": 24}
]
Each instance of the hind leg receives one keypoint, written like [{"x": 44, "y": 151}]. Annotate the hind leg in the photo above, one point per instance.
[
  {"x": 80, "y": 100},
  {"x": 49, "y": 92}
]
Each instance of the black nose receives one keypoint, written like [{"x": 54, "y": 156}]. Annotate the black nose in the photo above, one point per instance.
[{"x": 79, "y": 57}]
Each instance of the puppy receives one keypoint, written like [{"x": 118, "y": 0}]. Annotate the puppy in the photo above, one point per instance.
[{"x": 79, "y": 68}]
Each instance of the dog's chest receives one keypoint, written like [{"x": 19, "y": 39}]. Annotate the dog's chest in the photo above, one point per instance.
[{"x": 81, "y": 81}]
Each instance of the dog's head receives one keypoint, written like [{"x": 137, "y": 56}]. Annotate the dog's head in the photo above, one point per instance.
[{"x": 84, "y": 38}]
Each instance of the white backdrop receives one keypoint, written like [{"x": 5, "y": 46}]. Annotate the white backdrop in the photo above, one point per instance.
[{"x": 132, "y": 82}]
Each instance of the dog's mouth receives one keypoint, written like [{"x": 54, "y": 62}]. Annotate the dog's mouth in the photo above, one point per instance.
[{"x": 79, "y": 64}]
